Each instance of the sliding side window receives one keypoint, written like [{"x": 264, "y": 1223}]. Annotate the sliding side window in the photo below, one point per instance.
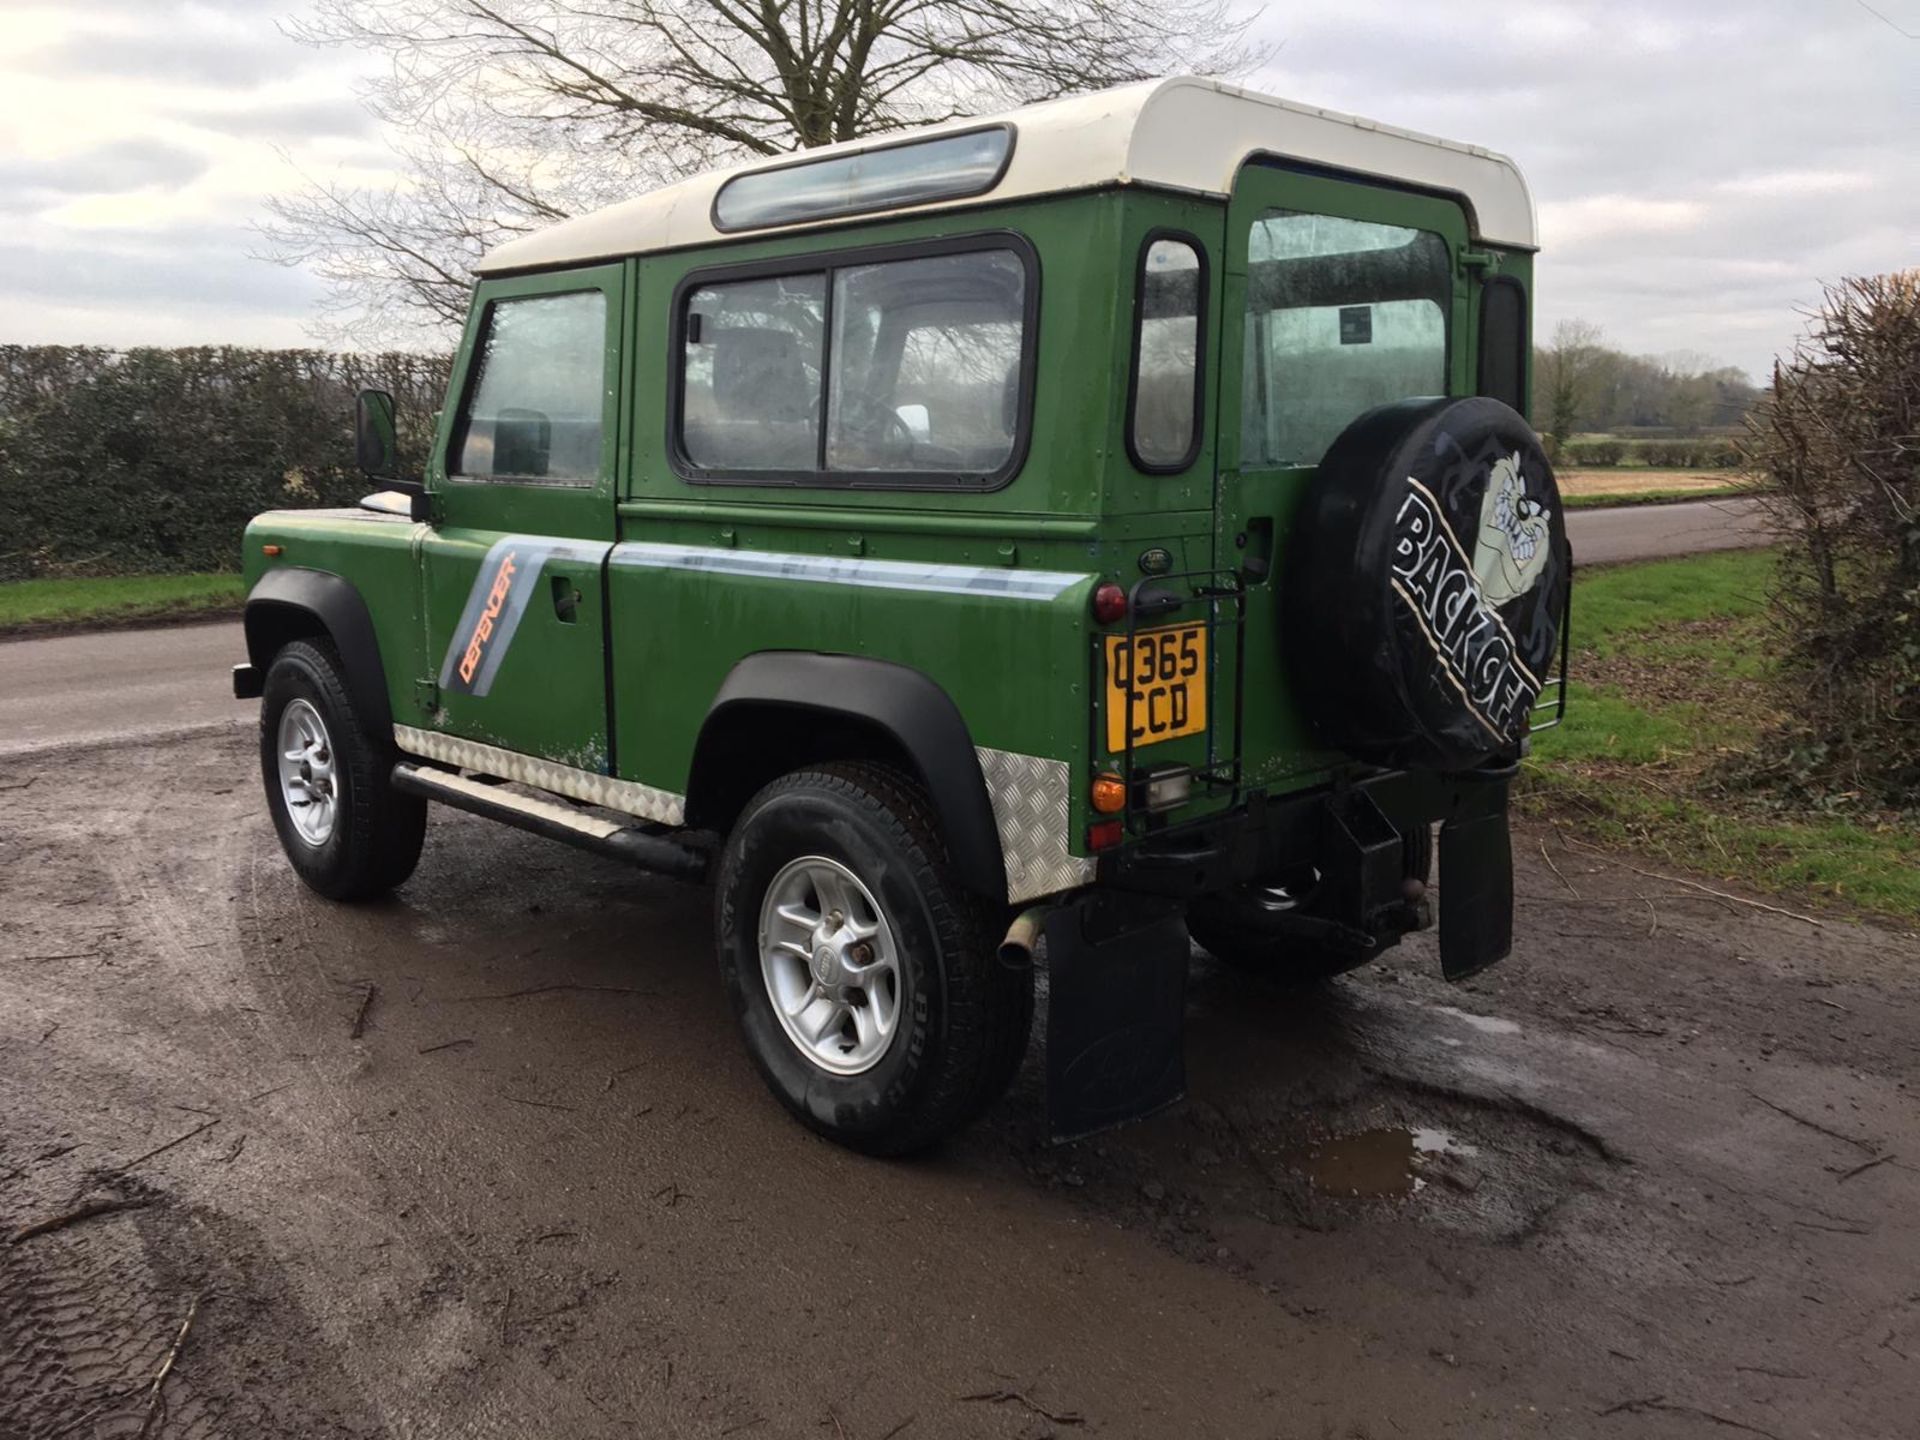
[
  {"x": 910, "y": 371},
  {"x": 753, "y": 369}
]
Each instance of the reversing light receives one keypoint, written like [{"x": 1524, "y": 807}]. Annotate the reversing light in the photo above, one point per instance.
[
  {"x": 1105, "y": 835},
  {"x": 1109, "y": 603},
  {"x": 1166, "y": 788},
  {"x": 1109, "y": 794}
]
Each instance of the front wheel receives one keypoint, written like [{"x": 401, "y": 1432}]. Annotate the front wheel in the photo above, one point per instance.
[
  {"x": 863, "y": 975},
  {"x": 346, "y": 831}
]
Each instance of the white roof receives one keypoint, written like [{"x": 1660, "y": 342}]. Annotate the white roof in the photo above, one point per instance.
[{"x": 1180, "y": 134}]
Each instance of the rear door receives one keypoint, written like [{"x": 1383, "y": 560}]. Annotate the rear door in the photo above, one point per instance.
[
  {"x": 514, "y": 567},
  {"x": 1339, "y": 295}
]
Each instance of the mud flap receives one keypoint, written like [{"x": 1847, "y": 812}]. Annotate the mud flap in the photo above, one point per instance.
[
  {"x": 1476, "y": 893},
  {"x": 1116, "y": 1012}
]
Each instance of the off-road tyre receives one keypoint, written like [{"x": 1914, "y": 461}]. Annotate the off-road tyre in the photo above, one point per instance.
[
  {"x": 377, "y": 832},
  {"x": 1214, "y": 926},
  {"x": 964, "y": 1017}
]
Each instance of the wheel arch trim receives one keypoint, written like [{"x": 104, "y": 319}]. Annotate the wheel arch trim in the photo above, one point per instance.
[
  {"x": 333, "y": 604},
  {"x": 902, "y": 703}
]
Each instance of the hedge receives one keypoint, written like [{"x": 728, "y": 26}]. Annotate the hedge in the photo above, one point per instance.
[
  {"x": 143, "y": 461},
  {"x": 1705, "y": 452}
]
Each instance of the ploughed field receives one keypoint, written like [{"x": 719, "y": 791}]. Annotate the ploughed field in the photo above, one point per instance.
[
  {"x": 1632, "y": 480},
  {"x": 488, "y": 1159}
]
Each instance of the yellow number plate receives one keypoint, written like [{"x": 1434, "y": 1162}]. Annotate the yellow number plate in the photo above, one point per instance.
[{"x": 1167, "y": 672}]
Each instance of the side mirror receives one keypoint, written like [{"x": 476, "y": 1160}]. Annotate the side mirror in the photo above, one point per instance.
[
  {"x": 376, "y": 449},
  {"x": 376, "y": 444}
]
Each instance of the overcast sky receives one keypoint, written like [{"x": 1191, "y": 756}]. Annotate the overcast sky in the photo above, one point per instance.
[{"x": 1700, "y": 167}]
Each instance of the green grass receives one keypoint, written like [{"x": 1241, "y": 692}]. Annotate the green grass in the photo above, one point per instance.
[
  {"x": 1654, "y": 497},
  {"x": 51, "y": 604},
  {"x": 1677, "y": 655}
]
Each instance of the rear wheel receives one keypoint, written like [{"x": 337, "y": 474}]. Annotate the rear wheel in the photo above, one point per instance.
[
  {"x": 1230, "y": 927},
  {"x": 347, "y": 832},
  {"x": 863, "y": 975}
]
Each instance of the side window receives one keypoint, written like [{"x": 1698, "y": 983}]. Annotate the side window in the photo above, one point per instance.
[
  {"x": 534, "y": 406},
  {"x": 926, "y": 363},
  {"x": 910, "y": 370},
  {"x": 1342, "y": 315},
  {"x": 1163, "y": 417},
  {"x": 752, "y": 370},
  {"x": 1503, "y": 342}
]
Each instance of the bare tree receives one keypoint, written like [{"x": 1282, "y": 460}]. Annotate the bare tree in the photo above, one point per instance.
[
  {"x": 510, "y": 114},
  {"x": 1570, "y": 372}
]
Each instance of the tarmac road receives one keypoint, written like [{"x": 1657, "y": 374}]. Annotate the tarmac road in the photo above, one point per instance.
[
  {"x": 487, "y": 1159},
  {"x": 1645, "y": 532},
  {"x": 85, "y": 688}
]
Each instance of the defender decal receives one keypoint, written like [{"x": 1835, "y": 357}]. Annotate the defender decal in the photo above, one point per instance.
[
  {"x": 978, "y": 580},
  {"x": 495, "y": 605},
  {"x": 1433, "y": 578}
]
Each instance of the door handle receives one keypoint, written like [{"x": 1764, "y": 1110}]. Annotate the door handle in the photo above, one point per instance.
[{"x": 566, "y": 600}]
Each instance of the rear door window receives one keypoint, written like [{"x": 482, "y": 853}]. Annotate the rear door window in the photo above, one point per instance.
[{"x": 1342, "y": 315}]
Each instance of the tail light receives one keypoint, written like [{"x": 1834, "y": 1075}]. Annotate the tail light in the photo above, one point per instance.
[{"x": 1109, "y": 603}]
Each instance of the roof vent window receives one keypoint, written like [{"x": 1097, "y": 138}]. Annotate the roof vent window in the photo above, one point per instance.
[{"x": 948, "y": 167}]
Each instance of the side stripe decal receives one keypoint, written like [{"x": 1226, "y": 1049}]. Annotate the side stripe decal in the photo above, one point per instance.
[
  {"x": 502, "y": 588},
  {"x": 979, "y": 580}
]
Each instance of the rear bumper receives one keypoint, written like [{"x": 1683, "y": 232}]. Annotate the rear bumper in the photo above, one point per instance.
[{"x": 1352, "y": 838}]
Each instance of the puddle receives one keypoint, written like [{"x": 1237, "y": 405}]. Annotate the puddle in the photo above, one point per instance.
[
  {"x": 1486, "y": 1024},
  {"x": 1374, "y": 1163}
]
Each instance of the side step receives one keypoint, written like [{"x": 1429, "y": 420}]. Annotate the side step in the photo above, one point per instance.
[{"x": 649, "y": 851}]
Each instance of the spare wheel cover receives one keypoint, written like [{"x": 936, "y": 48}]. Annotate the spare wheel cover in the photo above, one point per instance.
[{"x": 1427, "y": 575}]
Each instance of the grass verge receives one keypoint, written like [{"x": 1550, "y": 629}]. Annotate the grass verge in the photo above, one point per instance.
[
  {"x": 1652, "y": 497},
  {"x": 1673, "y": 664},
  {"x": 48, "y": 606}
]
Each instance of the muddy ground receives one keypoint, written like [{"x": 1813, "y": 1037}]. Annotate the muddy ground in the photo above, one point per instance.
[{"x": 487, "y": 1160}]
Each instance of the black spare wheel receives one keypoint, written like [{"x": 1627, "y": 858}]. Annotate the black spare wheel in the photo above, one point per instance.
[{"x": 1426, "y": 581}]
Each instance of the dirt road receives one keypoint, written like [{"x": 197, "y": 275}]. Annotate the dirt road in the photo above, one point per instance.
[{"x": 487, "y": 1160}]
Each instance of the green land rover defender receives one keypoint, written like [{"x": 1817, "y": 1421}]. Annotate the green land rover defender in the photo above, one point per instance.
[{"x": 1104, "y": 524}]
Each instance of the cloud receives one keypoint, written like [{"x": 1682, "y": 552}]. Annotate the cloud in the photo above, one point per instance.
[
  {"x": 283, "y": 121},
  {"x": 109, "y": 169},
  {"x": 1798, "y": 184},
  {"x": 1697, "y": 167},
  {"x": 1700, "y": 169},
  {"x": 1592, "y": 218},
  {"x": 227, "y": 55}
]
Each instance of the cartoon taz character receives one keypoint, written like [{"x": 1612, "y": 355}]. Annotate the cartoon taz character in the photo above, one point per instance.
[{"x": 1510, "y": 554}]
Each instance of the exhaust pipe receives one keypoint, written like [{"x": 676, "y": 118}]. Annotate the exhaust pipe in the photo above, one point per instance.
[{"x": 1016, "y": 950}]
